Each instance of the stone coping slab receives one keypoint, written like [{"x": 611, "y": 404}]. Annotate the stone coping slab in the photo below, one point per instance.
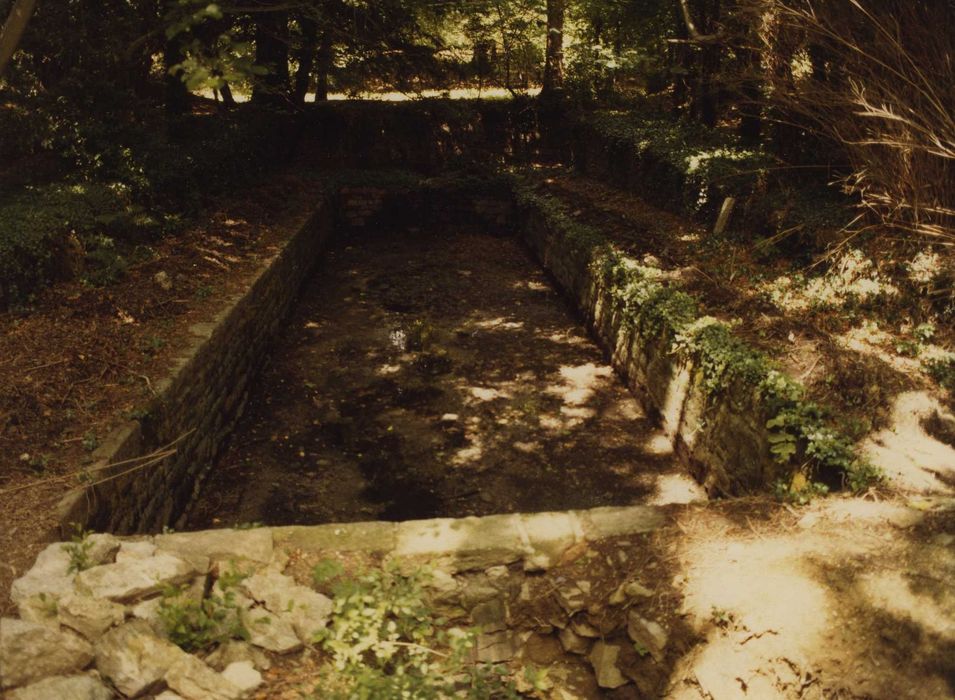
[{"x": 538, "y": 540}]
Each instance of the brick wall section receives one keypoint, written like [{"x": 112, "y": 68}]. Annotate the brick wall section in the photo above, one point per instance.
[
  {"x": 202, "y": 399},
  {"x": 359, "y": 206}
]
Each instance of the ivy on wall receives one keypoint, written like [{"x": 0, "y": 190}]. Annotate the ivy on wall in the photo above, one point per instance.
[{"x": 799, "y": 431}]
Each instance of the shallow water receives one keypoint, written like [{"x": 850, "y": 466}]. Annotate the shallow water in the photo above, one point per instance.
[{"x": 426, "y": 375}]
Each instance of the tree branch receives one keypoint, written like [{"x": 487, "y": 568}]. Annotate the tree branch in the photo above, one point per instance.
[{"x": 695, "y": 36}]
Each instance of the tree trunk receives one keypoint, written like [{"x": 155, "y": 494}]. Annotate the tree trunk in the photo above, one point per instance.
[
  {"x": 13, "y": 30},
  {"x": 306, "y": 59},
  {"x": 554, "y": 56},
  {"x": 177, "y": 96},
  {"x": 681, "y": 65},
  {"x": 750, "y": 122},
  {"x": 271, "y": 52},
  {"x": 323, "y": 67},
  {"x": 228, "y": 99},
  {"x": 707, "y": 90}
]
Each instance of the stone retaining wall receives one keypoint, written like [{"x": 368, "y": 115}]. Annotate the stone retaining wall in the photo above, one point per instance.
[
  {"x": 725, "y": 445},
  {"x": 198, "y": 405},
  {"x": 484, "y": 207},
  {"x": 722, "y": 439},
  {"x": 427, "y": 135}
]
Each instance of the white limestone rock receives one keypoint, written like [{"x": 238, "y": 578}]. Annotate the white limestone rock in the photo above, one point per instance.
[
  {"x": 194, "y": 680},
  {"x": 130, "y": 551},
  {"x": 603, "y": 658},
  {"x": 308, "y": 611},
  {"x": 102, "y": 548},
  {"x": 134, "y": 659},
  {"x": 83, "y": 687},
  {"x": 40, "y": 609},
  {"x": 647, "y": 634},
  {"x": 235, "y": 651},
  {"x": 30, "y": 652},
  {"x": 148, "y": 611},
  {"x": 91, "y": 617},
  {"x": 243, "y": 675},
  {"x": 270, "y": 631},
  {"x": 129, "y": 580},
  {"x": 49, "y": 576}
]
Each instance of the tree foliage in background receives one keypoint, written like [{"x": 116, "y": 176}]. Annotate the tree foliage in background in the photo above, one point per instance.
[{"x": 859, "y": 83}]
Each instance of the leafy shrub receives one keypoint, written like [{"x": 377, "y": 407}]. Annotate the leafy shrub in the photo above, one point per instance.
[
  {"x": 78, "y": 550},
  {"x": 385, "y": 643},
  {"x": 676, "y": 165},
  {"x": 942, "y": 370},
  {"x": 194, "y": 625},
  {"x": 800, "y": 490},
  {"x": 41, "y": 230}
]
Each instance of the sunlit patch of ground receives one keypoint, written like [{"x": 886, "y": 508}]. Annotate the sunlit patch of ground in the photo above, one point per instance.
[
  {"x": 914, "y": 459},
  {"x": 838, "y": 600}
]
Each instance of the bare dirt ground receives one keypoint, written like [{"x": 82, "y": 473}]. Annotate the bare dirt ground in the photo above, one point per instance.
[
  {"x": 428, "y": 375},
  {"x": 83, "y": 359}
]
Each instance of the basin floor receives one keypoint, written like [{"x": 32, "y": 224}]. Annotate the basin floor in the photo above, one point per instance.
[{"x": 435, "y": 374}]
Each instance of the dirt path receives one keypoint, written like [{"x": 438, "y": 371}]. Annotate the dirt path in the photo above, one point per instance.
[{"x": 435, "y": 375}]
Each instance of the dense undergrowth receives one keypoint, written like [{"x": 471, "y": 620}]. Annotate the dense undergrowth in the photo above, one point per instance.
[
  {"x": 687, "y": 169},
  {"x": 106, "y": 191}
]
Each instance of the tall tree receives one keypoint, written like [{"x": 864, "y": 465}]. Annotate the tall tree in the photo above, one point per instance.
[
  {"x": 272, "y": 54},
  {"x": 13, "y": 29},
  {"x": 702, "y": 19},
  {"x": 554, "y": 55},
  {"x": 305, "y": 57}
]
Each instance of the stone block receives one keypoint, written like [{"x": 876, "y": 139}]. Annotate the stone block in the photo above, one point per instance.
[
  {"x": 548, "y": 536},
  {"x": 253, "y": 545},
  {"x": 80, "y": 687},
  {"x": 134, "y": 659},
  {"x": 462, "y": 544},
  {"x": 372, "y": 537},
  {"x": 129, "y": 580},
  {"x": 48, "y": 576},
  {"x": 30, "y": 652},
  {"x": 601, "y": 523}
]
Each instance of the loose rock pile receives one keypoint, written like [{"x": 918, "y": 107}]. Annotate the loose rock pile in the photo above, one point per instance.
[
  {"x": 97, "y": 633},
  {"x": 101, "y": 632}
]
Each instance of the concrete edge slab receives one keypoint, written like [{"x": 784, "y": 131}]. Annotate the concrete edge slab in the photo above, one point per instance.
[{"x": 537, "y": 540}]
